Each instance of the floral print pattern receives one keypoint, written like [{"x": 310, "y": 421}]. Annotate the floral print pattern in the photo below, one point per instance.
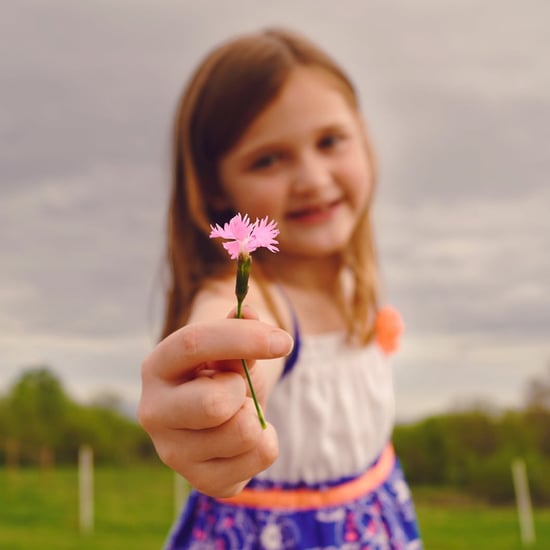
[{"x": 383, "y": 519}]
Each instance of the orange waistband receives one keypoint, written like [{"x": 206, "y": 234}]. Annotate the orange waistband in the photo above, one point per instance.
[{"x": 319, "y": 498}]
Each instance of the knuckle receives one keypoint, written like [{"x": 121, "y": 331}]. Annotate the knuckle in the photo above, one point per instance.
[
  {"x": 269, "y": 449},
  {"x": 146, "y": 367},
  {"x": 174, "y": 454},
  {"x": 248, "y": 425},
  {"x": 205, "y": 480},
  {"x": 145, "y": 415},
  {"x": 188, "y": 343},
  {"x": 220, "y": 482},
  {"x": 214, "y": 406},
  {"x": 203, "y": 485},
  {"x": 167, "y": 453},
  {"x": 220, "y": 402}
]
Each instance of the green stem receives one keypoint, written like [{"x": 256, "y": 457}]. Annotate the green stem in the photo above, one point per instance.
[
  {"x": 254, "y": 398},
  {"x": 249, "y": 379}
]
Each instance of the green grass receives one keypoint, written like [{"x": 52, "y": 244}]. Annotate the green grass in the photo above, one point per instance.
[
  {"x": 134, "y": 508},
  {"x": 452, "y": 521}
]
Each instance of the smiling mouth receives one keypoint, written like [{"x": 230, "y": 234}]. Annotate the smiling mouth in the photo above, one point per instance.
[{"x": 314, "y": 211}]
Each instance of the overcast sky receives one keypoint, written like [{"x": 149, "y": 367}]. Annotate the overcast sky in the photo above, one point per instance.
[{"x": 457, "y": 96}]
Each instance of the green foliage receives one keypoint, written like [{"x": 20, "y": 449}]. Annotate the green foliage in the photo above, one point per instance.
[
  {"x": 473, "y": 451},
  {"x": 36, "y": 405},
  {"x": 470, "y": 450},
  {"x": 39, "y": 419},
  {"x": 537, "y": 422},
  {"x": 423, "y": 450}
]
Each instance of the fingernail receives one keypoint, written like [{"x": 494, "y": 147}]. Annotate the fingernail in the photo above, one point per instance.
[{"x": 280, "y": 343}]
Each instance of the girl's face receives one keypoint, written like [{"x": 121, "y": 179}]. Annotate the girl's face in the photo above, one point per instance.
[{"x": 303, "y": 163}]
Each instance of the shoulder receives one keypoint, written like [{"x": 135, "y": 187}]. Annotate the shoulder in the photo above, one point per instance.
[{"x": 216, "y": 299}]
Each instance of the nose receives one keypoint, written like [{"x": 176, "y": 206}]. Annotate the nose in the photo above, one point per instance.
[{"x": 312, "y": 172}]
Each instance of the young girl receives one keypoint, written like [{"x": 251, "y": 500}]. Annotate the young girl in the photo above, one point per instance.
[{"x": 269, "y": 125}]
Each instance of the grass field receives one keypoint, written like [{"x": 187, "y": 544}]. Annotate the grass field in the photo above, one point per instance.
[{"x": 134, "y": 508}]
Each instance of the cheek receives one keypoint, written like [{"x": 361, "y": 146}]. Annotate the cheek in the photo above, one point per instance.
[
  {"x": 359, "y": 183},
  {"x": 259, "y": 200}
]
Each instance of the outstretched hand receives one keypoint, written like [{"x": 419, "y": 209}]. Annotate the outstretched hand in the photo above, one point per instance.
[{"x": 195, "y": 404}]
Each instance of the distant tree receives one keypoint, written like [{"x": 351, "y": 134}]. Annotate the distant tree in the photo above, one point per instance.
[
  {"x": 423, "y": 450},
  {"x": 3, "y": 417},
  {"x": 537, "y": 395},
  {"x": 4, "y": 427},
  {"x": 537, "y": 412},
  {"x": 38, "y": 419},
  {"x": 37, "y": 409},
  {"x": 475, "y": 431}
]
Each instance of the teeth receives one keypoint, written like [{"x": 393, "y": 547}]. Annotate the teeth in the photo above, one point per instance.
[{"x": 313, "y": 210}]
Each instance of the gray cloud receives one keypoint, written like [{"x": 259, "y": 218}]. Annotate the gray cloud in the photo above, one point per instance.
[{"x": 458, "y": 99}]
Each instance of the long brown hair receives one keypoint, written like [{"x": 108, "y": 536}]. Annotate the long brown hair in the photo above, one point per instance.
[{"x": 233, "y": 84}]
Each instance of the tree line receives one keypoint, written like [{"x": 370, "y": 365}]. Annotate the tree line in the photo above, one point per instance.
[
  {"x": 471, "y": 450},
  {"x": 41, "y": 424}
]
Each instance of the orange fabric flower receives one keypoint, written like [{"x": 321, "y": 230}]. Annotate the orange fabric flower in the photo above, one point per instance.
[{"x": 388, "y": 326}]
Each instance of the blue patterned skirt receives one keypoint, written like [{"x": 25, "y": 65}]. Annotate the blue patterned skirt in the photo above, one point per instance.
[{"x": 372, "y": 511}]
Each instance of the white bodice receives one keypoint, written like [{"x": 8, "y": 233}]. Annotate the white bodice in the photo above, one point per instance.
[{"x": 334, "y": 411}]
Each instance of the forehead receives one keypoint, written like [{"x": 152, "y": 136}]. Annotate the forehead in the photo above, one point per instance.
[{"x": 309, "y": 100}]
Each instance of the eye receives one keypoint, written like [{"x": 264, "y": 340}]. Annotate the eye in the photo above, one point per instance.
[
  {"x": 266, "y": 161},
  {"x": 330, "y": 141}
]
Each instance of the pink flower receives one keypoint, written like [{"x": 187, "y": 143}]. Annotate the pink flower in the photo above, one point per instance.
[
  {"x": 245, "y": 237},
  {"x": 389, "y": 327}
]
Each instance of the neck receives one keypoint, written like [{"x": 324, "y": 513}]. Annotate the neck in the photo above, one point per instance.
[{"x": 314, "y": 287}]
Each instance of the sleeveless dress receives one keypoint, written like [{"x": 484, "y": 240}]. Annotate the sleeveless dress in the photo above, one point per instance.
[{"x": 337, "y": 483}]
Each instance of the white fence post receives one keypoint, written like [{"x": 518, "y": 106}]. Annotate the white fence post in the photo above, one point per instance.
[
  {"x": 523, "y": 500},
  {"x": 86, "y": 488}
]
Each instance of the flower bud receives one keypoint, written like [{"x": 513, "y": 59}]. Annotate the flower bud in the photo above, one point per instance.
[{"x": 243, "y": 271}]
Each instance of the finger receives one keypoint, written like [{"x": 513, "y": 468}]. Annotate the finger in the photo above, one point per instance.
[
  {"x": 201, "y": 403},
  {"x": 218, "y": 476},
  {"x": 240, "y": 434},
  {"x": 179, "y": 355}
]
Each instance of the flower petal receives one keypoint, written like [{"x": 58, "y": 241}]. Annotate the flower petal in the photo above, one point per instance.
[
  {"x": 233, "y": 248},
  {"x": 240, "y": 227},
  {"x": 264, "y": 233},
  {"x": 244, "y": 236}
]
